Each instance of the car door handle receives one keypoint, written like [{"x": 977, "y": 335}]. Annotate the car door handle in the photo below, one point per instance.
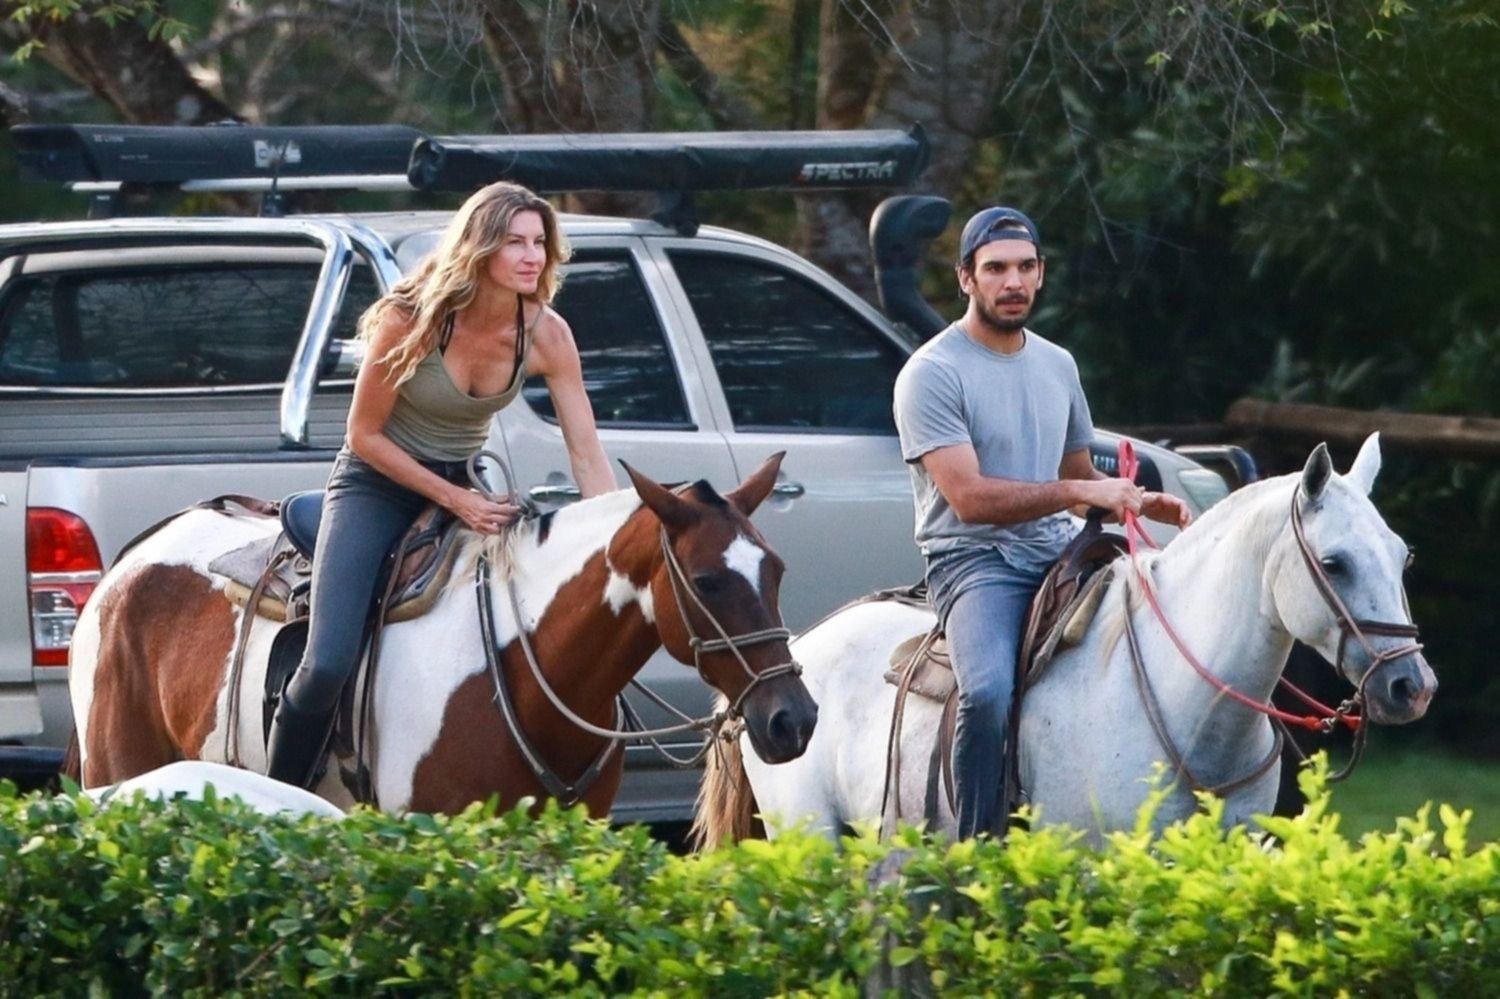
[
  {"x": 549, "y": 494},
  {"x": 791, "y": 490}
]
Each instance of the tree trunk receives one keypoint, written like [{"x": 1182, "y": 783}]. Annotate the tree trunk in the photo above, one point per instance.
[
  {"x": 936, "y": 63},
  {"x": 516, "y": 37},
  {"x": 801, "y": 99},
  {"x": 139, "y": 76},
  {"x": 577, "y": 66},
  {"x": 722, "y": 106}
]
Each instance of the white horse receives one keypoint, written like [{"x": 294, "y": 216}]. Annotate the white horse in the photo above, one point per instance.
[{"x": 1237, "y": 587}]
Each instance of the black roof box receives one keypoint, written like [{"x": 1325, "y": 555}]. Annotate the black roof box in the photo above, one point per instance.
[
  {"x": 138, "y": 154},
  {"x": 673, "y": 161}
]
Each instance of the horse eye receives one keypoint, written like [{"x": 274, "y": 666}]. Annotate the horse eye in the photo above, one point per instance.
[
  {"x": 708, "y": 582},
  {"x": 1332, "y": 564}
]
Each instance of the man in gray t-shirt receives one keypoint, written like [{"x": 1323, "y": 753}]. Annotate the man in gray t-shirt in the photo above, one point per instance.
[{"x": 995, "y": 430}]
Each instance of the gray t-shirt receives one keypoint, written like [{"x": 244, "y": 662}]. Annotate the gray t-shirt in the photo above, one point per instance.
[{"x": 1022, "y": 412}]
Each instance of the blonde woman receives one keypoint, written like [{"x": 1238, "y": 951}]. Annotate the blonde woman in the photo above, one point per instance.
[{"x": 447, "y": 348}]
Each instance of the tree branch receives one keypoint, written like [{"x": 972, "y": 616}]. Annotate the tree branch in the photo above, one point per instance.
[
  {"x": 516, "y": 40},
  {"x": 725, "y": 109},
  {"x": 140, "y": 76}
]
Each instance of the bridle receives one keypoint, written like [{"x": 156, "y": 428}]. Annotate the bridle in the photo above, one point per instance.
[
  {"x": 1349, "y": 625},
  {"x": 1350, "y": 713},
  {"x": 718, "y": 724}
]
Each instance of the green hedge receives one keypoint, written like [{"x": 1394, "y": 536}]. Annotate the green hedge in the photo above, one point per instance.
[{"x": 212, "y": 899}]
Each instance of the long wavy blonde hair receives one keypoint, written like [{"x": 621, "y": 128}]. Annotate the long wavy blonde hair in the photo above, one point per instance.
[{"x": 448, "y": 278}]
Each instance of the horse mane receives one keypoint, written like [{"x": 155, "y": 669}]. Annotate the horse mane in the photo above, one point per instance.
[
  {"x": 1257, "y": 511},
  {"x": 507, "y": 550}
]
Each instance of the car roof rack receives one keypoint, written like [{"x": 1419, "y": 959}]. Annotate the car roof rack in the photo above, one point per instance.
[
  {"x": 109, "y": 161},
  {"x": 674, "y": 164}
]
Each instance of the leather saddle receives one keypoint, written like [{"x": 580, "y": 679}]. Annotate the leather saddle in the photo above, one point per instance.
[
  {"x": 427, "y": 553},
  {"x": 1058, "y": 618},
  {"x": 272, "y": 577}
]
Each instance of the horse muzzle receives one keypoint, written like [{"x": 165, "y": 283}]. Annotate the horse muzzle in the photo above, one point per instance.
[
  {"x": 780, "y": 717},
  {"x": 1400, "y": 691}
]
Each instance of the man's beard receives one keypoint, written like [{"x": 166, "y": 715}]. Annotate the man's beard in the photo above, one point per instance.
[{"x": 1005, "y": 324}]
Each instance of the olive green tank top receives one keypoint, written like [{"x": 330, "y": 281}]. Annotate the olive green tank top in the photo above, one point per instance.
[{"x": 433, "y": 420}]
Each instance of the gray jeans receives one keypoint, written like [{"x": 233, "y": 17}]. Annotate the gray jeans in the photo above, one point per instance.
[
  {"x": 981, "y": 599},
  {"x": 364, "y": 515}
]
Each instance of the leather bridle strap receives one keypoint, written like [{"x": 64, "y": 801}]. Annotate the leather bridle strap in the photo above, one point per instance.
[
  {"x": 1325, "y": 719},
  {"x": 724, "y": 643},
  {"x": 566, "y": 793},
  {"x": 1164, "y": 738},
  {"x": 717, "y": 723},
  {"x": 1349, "y": 625},
  {"x": 1350, "y": 712},
  {"x": 714, "y": 723}
]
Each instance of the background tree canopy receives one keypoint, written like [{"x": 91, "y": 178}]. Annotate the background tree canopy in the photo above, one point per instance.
[{"x": 1296, "y": 200}]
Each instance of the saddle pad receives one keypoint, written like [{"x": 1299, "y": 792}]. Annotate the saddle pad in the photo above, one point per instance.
[
  {"x": 934, "y": 678},
  {"x": 1071, "y": 626},
  {"x": 242, "y": 568}
]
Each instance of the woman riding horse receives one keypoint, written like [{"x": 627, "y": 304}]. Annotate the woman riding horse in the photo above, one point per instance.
[{"x": 449, "y": 346}]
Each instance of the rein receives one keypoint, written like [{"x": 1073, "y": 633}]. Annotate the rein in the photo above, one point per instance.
[
  {"x": 684, "y": 593},
  {"x": 1349, "y": 713}
]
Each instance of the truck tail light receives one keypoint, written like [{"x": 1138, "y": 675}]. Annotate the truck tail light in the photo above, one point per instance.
[{"x": 62, "y": 569}]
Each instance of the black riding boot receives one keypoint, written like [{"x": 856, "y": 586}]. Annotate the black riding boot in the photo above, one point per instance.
[{"x": 297, "y": 743}]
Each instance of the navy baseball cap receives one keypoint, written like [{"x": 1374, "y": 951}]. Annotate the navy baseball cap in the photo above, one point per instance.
[{"x": 996, "y": 223}]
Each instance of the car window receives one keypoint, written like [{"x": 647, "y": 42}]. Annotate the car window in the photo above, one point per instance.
[
  {"x": 789, "y": 355},
  {"x": 627, "y": 368},
  {"x": 180, "y": 326}
]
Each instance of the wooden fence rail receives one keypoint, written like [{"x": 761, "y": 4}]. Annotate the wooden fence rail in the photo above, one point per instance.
[{"x": 1259, "y": 422}]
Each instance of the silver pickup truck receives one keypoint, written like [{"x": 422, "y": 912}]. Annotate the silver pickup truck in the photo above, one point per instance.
[{"x": 146, "y": 363}]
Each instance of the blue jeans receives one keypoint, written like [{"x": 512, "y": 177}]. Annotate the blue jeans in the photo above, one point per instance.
[
  {"x": 364, "y": 515},
  {"x": 981, "y": 601}
]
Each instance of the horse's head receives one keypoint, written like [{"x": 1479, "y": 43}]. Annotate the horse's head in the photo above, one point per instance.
[
  {"x": 1338, "y": 586},
  {"x": 716, "y": 603}
]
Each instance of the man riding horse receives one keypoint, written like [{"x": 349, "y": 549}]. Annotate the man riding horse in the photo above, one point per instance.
[{"x": 995, "y": 430}]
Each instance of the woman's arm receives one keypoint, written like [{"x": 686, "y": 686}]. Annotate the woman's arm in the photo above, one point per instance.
[
  {"x": 555, "y": 357},
  {"x": 374, "y": 398}
]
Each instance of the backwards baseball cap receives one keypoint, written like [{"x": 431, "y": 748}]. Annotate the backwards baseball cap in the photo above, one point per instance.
[{"x": 996, "y": 223}]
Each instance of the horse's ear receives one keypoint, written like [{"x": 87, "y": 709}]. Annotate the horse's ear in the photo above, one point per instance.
[
  {"x": 1316, "y": 472},
  {"x": 671, "y": 509},
  {"x": 753, "y": 491},
  {"x": 1366, "y": 464}
]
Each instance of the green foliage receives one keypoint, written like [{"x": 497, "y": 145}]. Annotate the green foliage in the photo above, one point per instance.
[
  {"x": 159, "y": 24},
  {"x": 213, "y": 899}
]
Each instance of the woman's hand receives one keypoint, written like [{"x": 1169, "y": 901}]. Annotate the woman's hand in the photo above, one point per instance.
[{"x": 481, "y": 514}]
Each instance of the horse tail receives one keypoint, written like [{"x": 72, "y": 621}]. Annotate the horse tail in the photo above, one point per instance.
[
  {"x": 726, "y": 804},
  {"x": 72, "y": 764}
]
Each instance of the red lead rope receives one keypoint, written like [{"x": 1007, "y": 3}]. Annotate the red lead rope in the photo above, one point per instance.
[{"x": 1135, "y": 535}]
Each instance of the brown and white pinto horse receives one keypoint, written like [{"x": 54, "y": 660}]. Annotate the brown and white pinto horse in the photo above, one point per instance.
[{"x": 152, "y": 649}]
